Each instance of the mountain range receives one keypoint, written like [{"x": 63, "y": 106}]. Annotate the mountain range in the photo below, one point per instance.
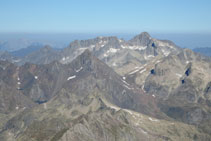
[
  {"x": 203, "y": 50},
  {"x": 106, "y": 89}
]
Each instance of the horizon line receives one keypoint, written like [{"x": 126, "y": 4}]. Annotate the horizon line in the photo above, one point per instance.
[{"x": 132, "y": 32}]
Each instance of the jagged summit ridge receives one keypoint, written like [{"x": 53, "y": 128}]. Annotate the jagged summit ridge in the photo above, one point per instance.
[
  {"x": 141, "y": 48},
  {"x": 142, "y": 39}
]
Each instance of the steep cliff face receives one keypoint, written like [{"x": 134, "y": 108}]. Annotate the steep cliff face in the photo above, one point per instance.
[{"x": 181, "y": 82}]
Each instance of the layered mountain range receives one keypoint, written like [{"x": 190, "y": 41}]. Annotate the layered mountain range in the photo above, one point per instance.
[
  {"x": 106, "y": 89},
  {"x": 203, "y": 50}
]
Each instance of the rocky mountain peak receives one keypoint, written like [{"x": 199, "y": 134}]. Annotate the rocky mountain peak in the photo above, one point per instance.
[
  {"x": 46, "y": 48},
  {"x": 87, "y": 61},
  {"x": 86, "y": 55},
  {"x": 142, "y": 39},
  {"x": 145, "y": 34}
]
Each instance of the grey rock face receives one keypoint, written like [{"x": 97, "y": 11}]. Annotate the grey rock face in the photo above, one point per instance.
[{"x": 143, "y": 39}]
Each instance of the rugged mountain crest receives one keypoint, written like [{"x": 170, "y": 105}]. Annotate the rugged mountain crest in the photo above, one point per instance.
[
  {"x": 73, "y": 92},
  {"x": 119, "y": 54},
  {"x": 83, "y": 76},
  {"x": 84, "y": 87},
  {"x": 142, "y": 39},
  {"x": 44, "y": 55}
]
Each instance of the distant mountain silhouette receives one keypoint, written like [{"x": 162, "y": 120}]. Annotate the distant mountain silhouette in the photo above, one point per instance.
[
  {"x": 203, "y": 50},
  {"x": 25, "y": 51}
]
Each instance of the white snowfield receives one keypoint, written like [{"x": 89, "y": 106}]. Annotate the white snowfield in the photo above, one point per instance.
[
  {"x": 65, "y": 58},
  {"x": 148, "y": 57},
  {"x": 82, "y": 49},
  {"x": 71, "y": 77},
  {"x": 79, "y": 69},
  {"x": 142, "y": 71},
  {"x": 127, "y": 87},
  {"x": 165, "y": 52},
  {"x": 92, "y": 46},
  {"x": 114, "y": 64},
  {"x": 155, "y": 120},
  {"x": 134, "y": 47},
  {"x": 125, "y": 82},
  {"x": 102, "y": 43},
  {"x": 179, "y": 75},
  {"x": 112, "y": 50},
  {"x": 158, "y": 61},
  {"x": 136, "y": 70}
]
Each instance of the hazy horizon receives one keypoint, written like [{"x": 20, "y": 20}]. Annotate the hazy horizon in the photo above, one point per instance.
[
  {"x": 184, "y": 40},
  {"x": 186, "y": 23}
]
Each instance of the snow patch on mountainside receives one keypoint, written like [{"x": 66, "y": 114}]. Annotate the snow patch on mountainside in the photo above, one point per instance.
[
  {"x": 71, "y": 77},
  {"x": 65, "y": 58},
  {"x": 134, "y": 47},
  {"x": 142, "y": 71},
  {"x": 79, "y": 69},
  {"x": 136, "y": 70},
  {"x": 155, "y": 120},
  {"x": 82, "y": 49},
  {"x": 165, "y": 52},
  {"x": 125, "y": 82},
  {"x": 148, "y": 57},
  {"x": 114, "y": 64},
  {"x": 111, "y": 51},
  {"x": 179, "y": 75},
  {"x": 92, "y": 46}
]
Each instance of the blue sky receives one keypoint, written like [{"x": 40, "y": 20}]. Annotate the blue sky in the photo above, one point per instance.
[{"x": 105, "y": 16}]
